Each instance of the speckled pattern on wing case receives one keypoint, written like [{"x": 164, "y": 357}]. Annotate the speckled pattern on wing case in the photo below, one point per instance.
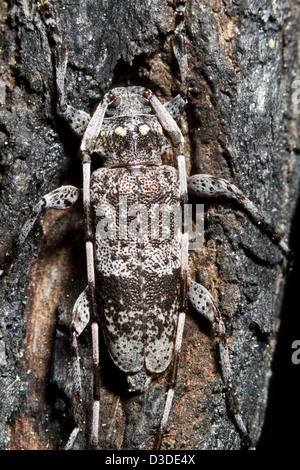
[{"x": 138, "y": 279}]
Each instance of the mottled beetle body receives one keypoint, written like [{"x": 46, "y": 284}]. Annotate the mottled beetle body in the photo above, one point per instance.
[
  {"x": 137, "y": 265},
  {"x": 137, "y": 278}
]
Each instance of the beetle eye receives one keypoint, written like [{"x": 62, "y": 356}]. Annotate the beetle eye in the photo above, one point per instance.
[
  {"x": 115, "y": 103},
  {"x": 110, "y": 96},
  {"x": 143, "y": 101}
]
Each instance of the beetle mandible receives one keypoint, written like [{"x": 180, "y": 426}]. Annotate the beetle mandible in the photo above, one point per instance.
[{"x": 140, "y": 286}]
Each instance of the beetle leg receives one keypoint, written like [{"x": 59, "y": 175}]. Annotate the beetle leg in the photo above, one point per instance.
[
  {"x": 210, "y": 186},
  {"x": 179, "y": 45},
  {"x": 203, "y": 302},
  {"x": 80, "y": 318},
  {"x": 61, "y": 198},
  {"x": 175, "y": 107},
  {"x": 78, "y": 120}
]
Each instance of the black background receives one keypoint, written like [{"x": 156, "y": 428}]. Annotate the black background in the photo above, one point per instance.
[{"x": 281, "y": 428}]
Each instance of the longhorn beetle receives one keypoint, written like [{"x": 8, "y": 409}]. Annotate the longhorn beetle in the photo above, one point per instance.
[{"x": 139, "y": 286}]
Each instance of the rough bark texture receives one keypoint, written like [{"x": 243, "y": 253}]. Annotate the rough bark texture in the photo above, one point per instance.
[{"x": 241, "y": 123}]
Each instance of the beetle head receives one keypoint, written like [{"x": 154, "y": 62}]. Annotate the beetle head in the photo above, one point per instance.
[{"x": 128, "y": 101}]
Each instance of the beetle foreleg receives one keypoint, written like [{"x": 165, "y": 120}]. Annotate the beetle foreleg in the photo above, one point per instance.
[
  {"x": 179, "y": 45},
  {"x": 77, "y": 119},
  {"x": 175, "y": 107}
]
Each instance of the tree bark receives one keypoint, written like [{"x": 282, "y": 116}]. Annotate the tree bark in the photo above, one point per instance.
[{"x": 241, "y": 123}]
